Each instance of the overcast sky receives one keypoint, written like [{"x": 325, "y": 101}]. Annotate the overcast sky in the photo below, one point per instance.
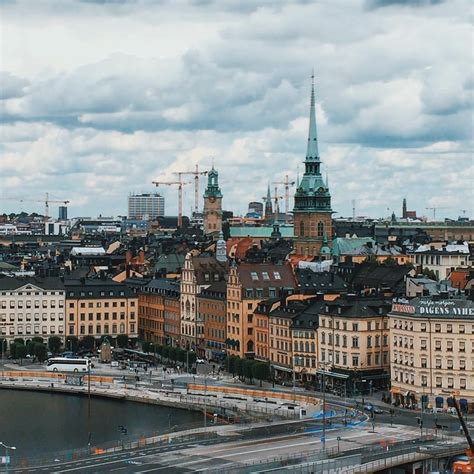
[{"x": 100, "y": 97}]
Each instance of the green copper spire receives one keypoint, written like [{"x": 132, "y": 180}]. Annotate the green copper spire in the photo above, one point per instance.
[
  {"x": 213, "y": 189},
  {"x": 312, "y": 193},
  {"x": 312, "y": 152}
]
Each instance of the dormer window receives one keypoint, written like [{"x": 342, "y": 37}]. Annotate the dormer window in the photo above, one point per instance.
[
  {"x": 254, "y": 276},
  {"x": 265, "y": 276}
]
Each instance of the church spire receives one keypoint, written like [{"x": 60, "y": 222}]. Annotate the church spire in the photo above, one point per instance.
[{"x": 312, "y": 152}]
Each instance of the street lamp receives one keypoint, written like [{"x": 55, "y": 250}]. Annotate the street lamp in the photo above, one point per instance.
[{"x": 7, "y": 459}]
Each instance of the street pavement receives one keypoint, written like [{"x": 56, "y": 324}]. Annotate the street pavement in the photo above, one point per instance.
[{"x": 222, "y": 454}]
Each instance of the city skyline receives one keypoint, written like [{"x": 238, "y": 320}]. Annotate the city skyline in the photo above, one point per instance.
[{"x": 78, "y": 124}]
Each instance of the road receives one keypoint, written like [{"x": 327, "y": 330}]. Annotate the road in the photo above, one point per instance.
[{"x": 215, "y": 454}]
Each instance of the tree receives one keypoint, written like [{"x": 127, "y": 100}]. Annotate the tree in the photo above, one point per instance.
[
  {"x": 165, "y": 351},
  {"x": 261, "y": 371},
  {"x": 239, "y": 368},
  {"x": 3, "y": 346},
  {"x": 19, "y": 340},
  {"x": 41, "y": 352},
  {"x": 173, "y": 354},
  {"x": 13, "y": 346},
  {"x": 191, "y": 357},
  {"x": 38, "y": 339},
  {"x": 30, "y": 348},
  {"x": 72, "y": 344},
  {"x": 87, "y": 342},
  {"x": 390, "y": 262},
  {"x": 247, "y": 369},
  {"x": 122, "y": 340},
  {"x": 147, "y": 347},
  {"x": 54, "y": 344},
  {"x": 20, "y": 352},
  {"x": 430, "y": 274}
]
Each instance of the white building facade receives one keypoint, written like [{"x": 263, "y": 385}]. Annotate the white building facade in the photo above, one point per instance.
[
  {"x": 31, "y": 307},
  {"x": 146, "y": 206}
]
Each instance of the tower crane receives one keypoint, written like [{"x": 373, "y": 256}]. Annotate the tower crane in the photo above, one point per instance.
[
  {"x": 287, "y": 183},
  {"x": 180, "y": 185},
  {"x": 46, "y": 202},
  {"x": 434, "y": 209},
  {"x": 274, "y": 198},
  {"x": 196, "y": 175}
]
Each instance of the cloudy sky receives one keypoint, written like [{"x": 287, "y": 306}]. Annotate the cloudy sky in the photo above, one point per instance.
[{"x": 100, "y": 97}]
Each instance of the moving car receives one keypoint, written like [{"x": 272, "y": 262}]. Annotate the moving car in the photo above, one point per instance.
[{"x": 373, "y": 409}]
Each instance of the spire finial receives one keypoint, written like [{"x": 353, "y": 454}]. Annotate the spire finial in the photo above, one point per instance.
[{"x": 312, "y": 151}]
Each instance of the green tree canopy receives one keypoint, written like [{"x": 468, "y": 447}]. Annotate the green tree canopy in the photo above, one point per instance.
[
  {"x": 41, "y": 351},
  {"x": 54, "y": 344},
  {"x": 20, "y": 351},
  {"x": 122, "y": 340},
  {"x": 72, "y": 344},
  {"x": 87, "y": 342},
  {"x": 261, "y": 371}
]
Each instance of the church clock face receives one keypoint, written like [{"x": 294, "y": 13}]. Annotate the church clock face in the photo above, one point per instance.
[
  {"x": 321, "y": 190},
  {"x": 212, "y": 199}
]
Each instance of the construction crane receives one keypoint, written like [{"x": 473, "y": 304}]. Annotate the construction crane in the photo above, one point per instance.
[
  {"x": 275, "y": 198},
  {"x": 463, "y": 466},
  {"x": 196, "y": 175},
  {"x": 46, "y": 202},
  {"x": 287, "y": 183},
  {"x": 180, "y": 185},
  {"x": 434, "y": 209}
]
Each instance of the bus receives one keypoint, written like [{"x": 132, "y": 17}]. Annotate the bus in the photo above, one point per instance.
[{"x": 64, "y": 364}]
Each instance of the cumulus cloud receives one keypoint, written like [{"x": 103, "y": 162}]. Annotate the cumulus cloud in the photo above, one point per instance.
[{"x": 111, "y": 94}]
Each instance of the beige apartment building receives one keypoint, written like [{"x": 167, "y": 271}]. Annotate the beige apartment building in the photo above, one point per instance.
[
  {"x": 353, "y": 340},
  {"x": 432, "y": 350},
  {"x": 31, "y": 307},
  {"x": 248, "y": 285},
  {"x": 100, "y": 307}
]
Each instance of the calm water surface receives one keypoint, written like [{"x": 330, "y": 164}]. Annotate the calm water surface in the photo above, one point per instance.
[{"x": 40, "y": 422}]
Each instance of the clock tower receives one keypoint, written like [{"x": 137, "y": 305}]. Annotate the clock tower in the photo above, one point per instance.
[
  {"x": 312, "y": 211},
  {"x": 212, "y": 204}
]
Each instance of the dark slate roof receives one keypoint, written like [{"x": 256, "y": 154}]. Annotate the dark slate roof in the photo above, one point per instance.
[
  {"x": 319, "y": 281},
  {"x": 47, "y": 283},
  {"x": 211, "y": 267},
  {"x": 369, "y": 275},
  {"x": 172, "y": 262},
  {"x": 246, "y": 270},
  {"x": 217, "y": 290},
  {"x": 309, "y": 317},
  {"x": 358, "y": 307},
  {"x": 97, "y": 288},
  {"x": 163, "y": 286}
]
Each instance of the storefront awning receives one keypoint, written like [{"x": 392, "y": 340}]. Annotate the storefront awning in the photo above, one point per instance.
[
  {"x": 283, "y": 369},
  {"x": 333, "y": 374}
]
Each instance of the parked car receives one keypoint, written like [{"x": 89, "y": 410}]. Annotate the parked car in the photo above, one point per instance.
[{"x": 372, "y": 409}]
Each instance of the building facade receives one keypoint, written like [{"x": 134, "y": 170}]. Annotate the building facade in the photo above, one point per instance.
[
  {"x": 146, "y": 206},
  {"x": 158, "y": 307},
  {"x": 212, "y": 204},
  {"x": 100, "y": 307},
  {"x": 199, "y": 272},
  {"x": 31, "y": 307},
  {"x": 432, "y": 344},
  {"x": 247, "y": 286},
  {"x": 212, "y": 311},
  {"x": 353, "y": 340},
  {"x": 312, "y": 210}
]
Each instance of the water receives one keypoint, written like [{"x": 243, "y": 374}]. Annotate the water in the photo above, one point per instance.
[{"x": 40, "y": 422}]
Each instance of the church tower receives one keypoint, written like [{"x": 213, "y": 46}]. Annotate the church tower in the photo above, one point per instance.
[
  {"x": 212, "y": 204},
  {"x": 312, "y": 211}
]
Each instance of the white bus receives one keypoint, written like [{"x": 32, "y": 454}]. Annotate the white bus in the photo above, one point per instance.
[{"x": 63, "y": 364}]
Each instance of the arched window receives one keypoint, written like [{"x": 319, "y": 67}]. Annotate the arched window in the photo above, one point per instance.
[
  {"x": 320, "y": 229},
  {"x": 250, "y": 346},
  {"x": 188, "y": 307},
  {"x": 301, "y": 229}
]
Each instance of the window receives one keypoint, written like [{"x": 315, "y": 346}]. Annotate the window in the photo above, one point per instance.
[
  {"x": 449, "y": 346},
  {"x": 276, "y": 275},
  {"x": 437, "y": 327},
  {"x": 462, "y": 346},
  {"x": 355, "y": 361},
  {"x": 265, "y": 276},
  {"x": 355, "y": 327},
  {"x": 320, "y": 229},
  {"x": 439, "y": 382},
  {"x": 449, "y": 328},
  {"x": 462, "y": 329},
  {"x": 355, "y": 341},
  {"x": 254, "y": 275}
]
